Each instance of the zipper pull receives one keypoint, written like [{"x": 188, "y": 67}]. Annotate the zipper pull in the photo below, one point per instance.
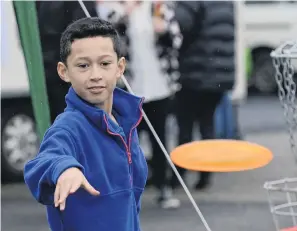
[{"x": 129, "y": 158}]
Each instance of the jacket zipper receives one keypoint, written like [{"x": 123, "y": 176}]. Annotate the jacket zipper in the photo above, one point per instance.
[
  {"x": 137, "y": 123},
  {"x": 116, "y": 134},
  {"x": 127, "y": 146}
]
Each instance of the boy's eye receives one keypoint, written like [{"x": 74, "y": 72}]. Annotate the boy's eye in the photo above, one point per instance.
[
  {"x": 83, "y": 65},
  {"x": 105, "y": 64}
]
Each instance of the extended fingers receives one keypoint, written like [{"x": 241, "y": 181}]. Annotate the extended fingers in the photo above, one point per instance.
[
  {"x": 62, "y": 194},
  {"x": 89, "y": 188},
  {"x": 57, "y": 195},
  {"x": 69, "y": 186},
  {"x": 75, "y": 186}
]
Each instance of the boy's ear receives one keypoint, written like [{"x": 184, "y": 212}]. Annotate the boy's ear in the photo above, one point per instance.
[
  {"x": 121, "y": 67},
  {"x": 62, "y": 71}
]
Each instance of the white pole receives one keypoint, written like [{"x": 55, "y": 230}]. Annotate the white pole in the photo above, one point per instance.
[{"x": 161, "y": 145}]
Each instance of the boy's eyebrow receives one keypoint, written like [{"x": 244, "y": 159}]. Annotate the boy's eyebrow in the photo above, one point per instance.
[{"x": 88, "y": 58}]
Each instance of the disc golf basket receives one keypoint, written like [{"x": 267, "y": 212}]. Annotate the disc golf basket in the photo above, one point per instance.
[{"x": 284, "y": 60}]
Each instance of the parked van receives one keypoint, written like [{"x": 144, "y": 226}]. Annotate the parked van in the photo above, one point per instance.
[
  {"x": 19, "y": 140},
  {"x": 268, "y": 24}
]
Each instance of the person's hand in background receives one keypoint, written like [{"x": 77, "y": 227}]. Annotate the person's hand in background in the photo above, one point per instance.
[
  {"x": 129, "y": 6},
  {"x": 238, "y": 94},
  {"x": 159, "y": 24}
]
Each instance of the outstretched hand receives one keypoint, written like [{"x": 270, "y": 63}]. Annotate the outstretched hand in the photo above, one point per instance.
[
  {"x": 159, "y": 25},
  {"x": 69, "y": 182}
]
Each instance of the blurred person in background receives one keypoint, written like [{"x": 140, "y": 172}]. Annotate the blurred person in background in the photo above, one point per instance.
[
  {"x": 53, "y": 18},
  {"x": 226, "y": 119},
  {"x": 207, "y": 67},
  {"x": 151, "y": 38}
]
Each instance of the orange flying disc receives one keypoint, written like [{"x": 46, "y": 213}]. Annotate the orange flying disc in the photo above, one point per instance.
[
  {"x": 221, "y": 156},
  {"x": 290, "y": 229}
]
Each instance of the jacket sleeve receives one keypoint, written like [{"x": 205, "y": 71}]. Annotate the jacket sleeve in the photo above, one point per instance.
[
  {"x": 185, "y": 13},
  {"x": 57, "y": 153}
]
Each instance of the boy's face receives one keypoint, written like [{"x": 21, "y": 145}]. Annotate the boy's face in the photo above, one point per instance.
[{"x": 93, "y": 69}]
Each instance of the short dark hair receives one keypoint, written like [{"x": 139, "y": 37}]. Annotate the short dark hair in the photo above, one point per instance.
[{"x": 88, "y": 28}]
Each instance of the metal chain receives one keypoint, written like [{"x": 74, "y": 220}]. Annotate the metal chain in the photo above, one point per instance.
[{"x": 287, "y": 96}]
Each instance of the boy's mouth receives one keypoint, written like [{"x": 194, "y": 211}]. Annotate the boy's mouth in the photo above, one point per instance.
[{"x": 96, "y": 89}]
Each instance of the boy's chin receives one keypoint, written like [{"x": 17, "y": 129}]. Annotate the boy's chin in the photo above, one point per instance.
[{"x": 96, "y": 102}]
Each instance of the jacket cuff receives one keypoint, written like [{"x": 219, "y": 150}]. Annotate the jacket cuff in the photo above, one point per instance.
[{"x": 64, "y": 164}]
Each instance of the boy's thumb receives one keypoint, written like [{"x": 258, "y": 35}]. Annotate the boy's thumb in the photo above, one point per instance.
[{"x": 90, "y": 188}]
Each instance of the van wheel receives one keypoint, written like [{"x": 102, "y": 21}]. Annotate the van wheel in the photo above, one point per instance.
[
  {"x": 19, "y": 139},
  {"x": 264, "y": 74}
]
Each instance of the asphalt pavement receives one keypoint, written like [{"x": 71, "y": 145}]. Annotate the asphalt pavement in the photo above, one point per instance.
[{"x": 235, "y": 202}]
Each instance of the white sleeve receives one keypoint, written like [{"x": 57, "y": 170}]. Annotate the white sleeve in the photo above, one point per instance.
[{"x": 110, "y": 11}]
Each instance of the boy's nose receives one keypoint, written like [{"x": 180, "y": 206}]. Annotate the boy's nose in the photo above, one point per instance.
[
  {"x": 96, "y": 77},
  {"x": 96, "y": 74}
]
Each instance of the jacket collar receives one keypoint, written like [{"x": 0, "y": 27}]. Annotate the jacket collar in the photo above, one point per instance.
[{"x": 127, "y": 106}]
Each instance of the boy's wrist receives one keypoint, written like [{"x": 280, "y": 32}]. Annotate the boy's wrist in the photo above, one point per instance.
[{"x": 64, "y": 164}]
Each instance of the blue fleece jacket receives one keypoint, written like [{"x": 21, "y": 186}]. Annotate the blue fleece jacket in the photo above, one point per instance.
[{"x": 110, "y": 157}]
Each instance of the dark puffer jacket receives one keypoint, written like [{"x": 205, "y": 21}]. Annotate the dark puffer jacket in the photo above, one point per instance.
[{"x": 207, "y": 60}]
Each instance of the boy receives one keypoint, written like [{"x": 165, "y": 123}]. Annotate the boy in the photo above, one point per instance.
[{"x": 93, "y": 145}]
